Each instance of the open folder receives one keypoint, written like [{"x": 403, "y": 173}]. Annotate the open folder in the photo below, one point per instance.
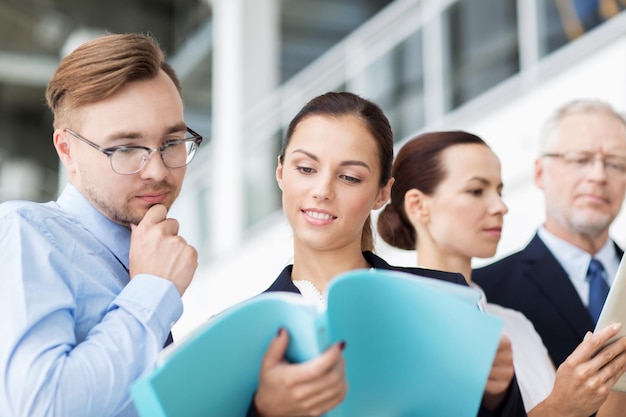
[
  {"x": 414, "y": 346},
  {"x": 614, "y": 311}
]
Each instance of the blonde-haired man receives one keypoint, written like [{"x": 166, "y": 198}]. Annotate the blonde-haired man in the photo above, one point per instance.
[{"x": 92, "y": 282}]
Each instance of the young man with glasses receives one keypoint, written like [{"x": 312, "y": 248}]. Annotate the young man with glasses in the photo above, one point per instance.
[
  {"x": 92, "y": 282},
  {"x": 581, "y": 170}
]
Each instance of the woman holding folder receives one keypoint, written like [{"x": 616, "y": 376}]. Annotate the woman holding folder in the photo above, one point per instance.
[
  {"x": 446, "y": 204},
  {"x": 333, "y": 170}
]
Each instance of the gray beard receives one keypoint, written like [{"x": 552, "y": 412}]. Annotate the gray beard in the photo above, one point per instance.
[{"x": 581, "y": 225}]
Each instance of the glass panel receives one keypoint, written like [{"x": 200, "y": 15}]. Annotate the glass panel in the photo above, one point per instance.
[
  {"x": 481, "y": 47},
  {"x": 561, "y": 21},
  {"x": 262, "y": 195},
  {"x": 203, "y": 219},
  {"x": 396, "y": 83},
  {"x": 35, "y": 34},
  {"x": 311, "y": 27}
]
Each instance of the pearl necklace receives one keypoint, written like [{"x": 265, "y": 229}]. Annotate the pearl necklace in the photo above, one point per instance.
[
  {"x": 309, "y": 290},
  {"x": 306, "y": 286}
]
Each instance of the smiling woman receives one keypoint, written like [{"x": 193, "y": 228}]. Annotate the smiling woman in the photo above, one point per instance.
[
  {"x": 330, "y": 180},
  {"x": 333, "y": 170}
]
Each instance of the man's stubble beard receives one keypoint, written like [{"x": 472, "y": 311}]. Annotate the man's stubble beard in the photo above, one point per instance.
[{"x": 124, "y": 215}]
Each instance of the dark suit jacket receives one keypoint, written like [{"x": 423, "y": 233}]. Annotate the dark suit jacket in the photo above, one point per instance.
[
  {"x": 284, "y": 282},
  {"x": 532, "y": 281},
  {"x": 511, "y": 407}
]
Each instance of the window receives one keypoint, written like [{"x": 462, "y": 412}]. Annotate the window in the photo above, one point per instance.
[{"x": 481, "y": 43}]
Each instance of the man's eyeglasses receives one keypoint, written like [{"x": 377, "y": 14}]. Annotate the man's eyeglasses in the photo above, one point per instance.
[
  {"x": 613, "y": 165},
  {"x": 128, "y": 160}
]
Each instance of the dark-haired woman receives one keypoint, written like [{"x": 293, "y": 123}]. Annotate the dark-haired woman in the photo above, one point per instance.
[
  {"x": 446, "y": 204},
  {"x": 333, "y": 170}
]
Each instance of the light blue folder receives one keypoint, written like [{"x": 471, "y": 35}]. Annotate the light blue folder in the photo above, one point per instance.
[{"x": 414, "y": 347}]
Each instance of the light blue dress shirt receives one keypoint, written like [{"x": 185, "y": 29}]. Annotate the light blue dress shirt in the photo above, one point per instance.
[{"x": 76, "y": 332}]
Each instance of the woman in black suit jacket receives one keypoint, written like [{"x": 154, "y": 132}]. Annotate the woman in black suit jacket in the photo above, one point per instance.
[
  {"x": 333, "y": 170},
  {"x": 446, "y": 205}
]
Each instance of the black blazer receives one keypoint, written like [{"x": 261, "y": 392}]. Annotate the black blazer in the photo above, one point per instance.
[
  {"x": 532, "y": 281},
  {"x": 511, "y": 407},
  {"x": 284, "y": 282}
]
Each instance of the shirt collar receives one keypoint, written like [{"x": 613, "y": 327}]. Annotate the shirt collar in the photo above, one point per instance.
[
  {"x": 482, "y": 300},
  {"x": 115, "y": 236},
  {"x": 575, "y": 261}
]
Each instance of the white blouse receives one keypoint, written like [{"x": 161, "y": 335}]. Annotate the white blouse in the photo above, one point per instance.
[{"x": 533, "y": 367}]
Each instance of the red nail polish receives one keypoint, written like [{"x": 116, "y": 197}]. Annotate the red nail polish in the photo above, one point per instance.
[
  {"x": 280, "y": 331},
  {"x": 342, "y": 345}
]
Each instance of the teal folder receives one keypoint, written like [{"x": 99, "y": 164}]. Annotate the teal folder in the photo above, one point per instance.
[{"x": 415, "y": 346}]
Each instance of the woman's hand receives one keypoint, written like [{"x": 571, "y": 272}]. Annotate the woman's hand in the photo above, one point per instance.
[
  {"x": 306, "y": 389},
  {"x": 501, "y": 375}
]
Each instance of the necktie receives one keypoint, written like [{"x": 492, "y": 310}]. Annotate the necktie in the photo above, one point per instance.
[{"x": 598, "y": 288}]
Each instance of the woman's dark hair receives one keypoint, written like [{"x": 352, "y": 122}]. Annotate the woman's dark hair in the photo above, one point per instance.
[
  {"x": 417, "y": 166},
  {"x": 339, "y": 104}
]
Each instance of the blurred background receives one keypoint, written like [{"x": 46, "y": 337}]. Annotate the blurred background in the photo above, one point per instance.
[{"x": 496, "y": 68}]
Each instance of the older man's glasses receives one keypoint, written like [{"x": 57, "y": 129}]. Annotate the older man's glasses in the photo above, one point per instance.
[
  {"x": 613, "y": 165},
  {"x": 128, "y": 160}
]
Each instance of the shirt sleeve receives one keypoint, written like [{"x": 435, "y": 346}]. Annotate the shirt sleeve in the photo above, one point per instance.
[{"x": 47, "y": 366}]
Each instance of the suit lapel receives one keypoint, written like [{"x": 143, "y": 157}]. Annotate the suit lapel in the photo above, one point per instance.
[
  {"x": 619, "y": 252},
  {"x": 542, "y": 268}
]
